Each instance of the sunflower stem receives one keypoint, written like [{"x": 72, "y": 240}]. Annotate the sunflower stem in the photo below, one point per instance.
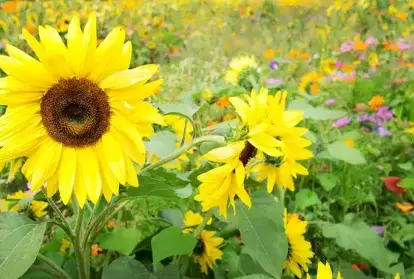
[
  {"x": 83, "y": 267},
  {"x": 63, "y": 222},
  {"x": 59, "y": 271},
  {"x": 200, "y": 227},
  {"x": 218, "y": 139}
]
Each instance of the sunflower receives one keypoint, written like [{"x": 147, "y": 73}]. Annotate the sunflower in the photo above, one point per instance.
[
  {"x": 325, "y": 272},
  {"x": 220, "y": 185},
  {"x": 300, "y": 250},
  {"x": 310, "y": 83},
  {"x": 281, "y": 170},
  {"x": 242, "y": 71},
  {"x": 77, "y": 113},
  {"x": 206, "y": 252},
  {"x": 193, "y": 219}
]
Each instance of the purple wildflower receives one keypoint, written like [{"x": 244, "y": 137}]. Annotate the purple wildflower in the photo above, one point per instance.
[
  {"x": 382, "y": 131},
  {"x": 363, "y": 117},
  {"x": 274, "y": 65},
  {"x": 274, "y": 81},
  {"x": 330, "y": 102},
  {"x": 378, "y": 229},
  {"x": 341, "y": 122},
  {"x": 347, "y": 46},
  {"x": 403, "y": 46},
  {"x": 384, "y": 112},
  {"x": 2, "y": 45},
  {"x": 371, "y": 41}
]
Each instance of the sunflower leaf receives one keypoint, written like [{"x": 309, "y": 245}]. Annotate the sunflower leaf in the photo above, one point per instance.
[
  {"x": 20, "y": 241},
  {"x": 123, "y": 240},
  {"x": 262, "y": 232}
]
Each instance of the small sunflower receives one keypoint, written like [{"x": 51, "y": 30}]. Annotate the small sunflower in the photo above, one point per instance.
[
  {"x": 220, "y": 185},
  {"x": 311, "y": 83},
  {"x": 77, "y": 113},
  {"x": 193, "y": 219},
  {"x": 300, "y": 250},
  {"x": 325, "y": 272},
  {"x": 243, "y": 71},
  {"x": 206, "y": 252}
]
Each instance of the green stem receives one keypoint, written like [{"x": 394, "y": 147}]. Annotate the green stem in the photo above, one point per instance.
[
  {"x": 200, "y": 227},
  {"x": 218, "y": 139},
  {"x": 53, "y": 273},
  {"x": 58, "y": 269},
  {"x": 184, "y": 132},
  {"x": 79, "y": 248},
  {"x": 63, "y": 222}
]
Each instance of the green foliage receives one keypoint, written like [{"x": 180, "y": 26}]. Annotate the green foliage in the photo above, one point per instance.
[
  {"x": 20, "y": 239},
  {"x": 356, "y": 235},
  {"x": 305, "y": 198},
  {"x": 261, "y": 228},
  {"x": 123, "y": 240},
  {"x": 171, "y": 242},
  {"x": 341, "y": 151}
]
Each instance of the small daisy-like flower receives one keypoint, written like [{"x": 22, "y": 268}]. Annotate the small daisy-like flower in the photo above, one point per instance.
[
  {"x": 376, "y": 102},
  {"x": 325, "y": 272}
]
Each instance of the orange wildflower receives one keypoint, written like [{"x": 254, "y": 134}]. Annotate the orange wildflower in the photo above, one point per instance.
[
  {"x": 405, "y": 207},
  {"x": 228, "y": 116},
  {"x": 223, "y": 102},
  {"x": 347, "y": 68},
  {"x": 96, "y": 250},
  {"x": 111, "y": 224},
  {"x": 363, "y": 265},
  {"x": 304, "y": 56},
  {"x": 9, "y": 6},
  {"x": 360, "y": 45},
  {"x": 376, "y": 102},
  {"x": 269, "y": 53},
  {"x": 356, "y": 267},
  {"x": 390, "y": 46},
  {"x": 211, "y": 123},
  {"x": 401, "y": 16}
]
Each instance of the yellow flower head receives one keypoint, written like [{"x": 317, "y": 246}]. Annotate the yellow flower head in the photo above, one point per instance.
[
  {"x": 310, "y": 83},
  {"x": 325, "y": 272},
  {"x": 220, "y": 185},
  {"x": 77, "y": 112},
  {"x": 65, "y": 246},
  {"x": 193, "y": 219},
  {"x": 376, "y": 102},
  {"x": 206, "y": 252},
  {"x": 328, "y": 66},
  {"x": 180, "y": 126},
  {"x": 300, "y": 250},
  {"x": 241, "y": 70},
  {"x": 349, "y": 142}
]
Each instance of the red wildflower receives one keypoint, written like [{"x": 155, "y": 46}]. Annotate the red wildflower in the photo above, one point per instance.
[{"x": 391, "y": 182}]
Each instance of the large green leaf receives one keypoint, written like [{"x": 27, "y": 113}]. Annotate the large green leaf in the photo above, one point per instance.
[
  {"x": 315, "y": 113},
  {"x": 357, "y": 235},
  {"x": 407, "y": 183},
  {"x": 254, "y": 276},
  {"x": 341, "y": 151},
  {"x": 182, "y": 109},
  {"x": 328, "y": 180},
  {"x": 128, "y": 268},
  {"x": 162, "y": 143},
  {"x": 171, "y": 242},
  {"x": 262, "y": 232},
  {"x": 20, "y": 241},
  {"x": 123, "y": 240},
  {"x": 306, "y": 198},
  {"x": 158, "y": 183}
]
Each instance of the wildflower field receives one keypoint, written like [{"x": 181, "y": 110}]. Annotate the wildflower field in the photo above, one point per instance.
[{"x": 207, "y": 139}]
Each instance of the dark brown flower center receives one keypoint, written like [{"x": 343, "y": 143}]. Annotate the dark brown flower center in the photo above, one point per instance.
[
  {"x": 199, "y": 248},
  {"x": 75, "y": 112},
  {"x": 248, "y": 153}
]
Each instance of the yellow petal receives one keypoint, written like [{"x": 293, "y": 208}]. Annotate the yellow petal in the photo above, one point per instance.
[
  {"x": 136, "y": 93},
  {"x": 106, "y": 174},
  {"x": 34, "y": 44},
  {"x": 88, "y": 48},
  {"x": 131, "y": 174},
  {"x": 67, "y": 173},
  {"x": 52, "y": 186},
  {"x": 241, "y": 107},
  {"x": 127, "y": 78},
  {"x": 74, "y": 38},
  {"x": 114, "y": 156},
  {"x": 43, "y": 164},
  {"x": 223, "y": 154},
  {"x": 90, "y": 171}
]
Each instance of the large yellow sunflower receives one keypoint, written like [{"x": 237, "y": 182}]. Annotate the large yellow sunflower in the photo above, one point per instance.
[
  {"x": 281, "y": 170},
  {"x": 325, "y": 272},
  {"x": 206, "y": 252},
  {"x": 77, "y": 112},
  {"x": 300, "y": 250}
]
